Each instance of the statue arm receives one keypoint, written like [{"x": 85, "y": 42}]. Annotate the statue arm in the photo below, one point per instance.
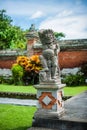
[{"x": 58, "y": 48}]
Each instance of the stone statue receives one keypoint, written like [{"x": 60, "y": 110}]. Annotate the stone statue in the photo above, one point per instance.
[
  {"x": 49, "y": 57},
  {"x": 32, "y": 28}
]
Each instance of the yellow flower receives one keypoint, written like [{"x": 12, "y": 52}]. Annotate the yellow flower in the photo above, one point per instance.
[
  {"x": 29, "y": 63},
  {"x": 22, "y": 60}
]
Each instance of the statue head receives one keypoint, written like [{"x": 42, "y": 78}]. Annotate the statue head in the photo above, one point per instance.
[
  {"x": 32, "y": 28},
  {"x": 46, "y": 36}
]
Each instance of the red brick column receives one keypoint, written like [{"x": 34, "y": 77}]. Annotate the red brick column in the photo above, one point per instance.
[{"x": 30, "y": 43}]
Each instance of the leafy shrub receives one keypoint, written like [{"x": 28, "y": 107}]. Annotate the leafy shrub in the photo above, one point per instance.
[
  {"x": 30, "y": 78},
  {"x": 1, "y": 79},
  {"x": 84, "y": 70},
  {"x": 74, "y": 80},
  {"x": 17, "y": 72},
  {"x": 6, "y": 80}
]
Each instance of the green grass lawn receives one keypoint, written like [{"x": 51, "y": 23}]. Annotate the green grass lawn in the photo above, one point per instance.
[
  {"x": 13, "y": 117},
  {"x": 72, "y": 91},
  {"x": 68, "y": 91},
  {"x": 13, "y": 88}
]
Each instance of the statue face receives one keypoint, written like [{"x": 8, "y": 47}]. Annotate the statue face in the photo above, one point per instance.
[{"x": 48, "y": 37}]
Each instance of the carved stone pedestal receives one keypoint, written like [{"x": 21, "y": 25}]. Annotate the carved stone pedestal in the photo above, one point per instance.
[{"x": 50, "y": 104}]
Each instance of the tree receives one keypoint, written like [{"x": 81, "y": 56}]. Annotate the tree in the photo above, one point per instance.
[
  {"x": 59, "y": 35},
  {"x": 5, "y": 22},
  {"x": 5, "y": 18},
  {"x": 10, "y": 36},
  {"x": 18, "y": 39}
]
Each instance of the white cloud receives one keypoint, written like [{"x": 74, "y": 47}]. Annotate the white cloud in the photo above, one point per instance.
[
  {"x": 65, "y": 13},
  {"x": 20, "y": 7},
  {"x": 69, "y": 17},
  {"x": 37, "y": 14},
  {"x": 73, "y": 25}
]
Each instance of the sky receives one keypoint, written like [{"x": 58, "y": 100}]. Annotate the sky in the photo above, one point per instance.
[{"x": 67, "y": 16}]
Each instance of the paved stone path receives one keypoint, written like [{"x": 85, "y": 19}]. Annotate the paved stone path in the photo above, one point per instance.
[
  {"x": 76, "y": 108},
  {"x": 18, "y": 101}
]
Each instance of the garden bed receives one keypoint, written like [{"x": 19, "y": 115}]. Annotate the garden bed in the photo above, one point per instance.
[{"x": 19, "y": 95}]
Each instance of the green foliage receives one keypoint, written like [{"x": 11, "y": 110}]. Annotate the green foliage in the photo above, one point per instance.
[
  {"x": 17, "y": 38},
  {"x": 6, "y": 80},
  {"x": 5, "y": 23},
  {"x": 84, "y": 70},
  {"x": 4, "y": 17},
  {"x": 17, "y": 72},
  {"x": 74, "y": 80},
  {"x": 59, "y": 35},
  {"x": 10, "y": 36},
  {"x": 1, "y": 79}
]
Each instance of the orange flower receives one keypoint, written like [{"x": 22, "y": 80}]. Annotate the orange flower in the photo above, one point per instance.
[
  {"x": 29, "y": 64},
  {"x": 22, "y": 60}
]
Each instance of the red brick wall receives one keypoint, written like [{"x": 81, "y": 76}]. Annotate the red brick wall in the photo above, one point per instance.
[
  {"x": 70, "y": 59},
  {"x": 67, "y": 59},
  {"x": 6, "y": 63},
  {"x": 74, "y": 53}
]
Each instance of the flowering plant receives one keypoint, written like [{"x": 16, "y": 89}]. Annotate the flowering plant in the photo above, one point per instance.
[{"x": 31, "y": 65}]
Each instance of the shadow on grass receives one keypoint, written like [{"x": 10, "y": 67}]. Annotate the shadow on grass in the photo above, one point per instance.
[{"x": 20, "y": 128}]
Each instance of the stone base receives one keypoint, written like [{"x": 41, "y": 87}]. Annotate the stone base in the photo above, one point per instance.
[
  {"x": 50, "y": 104},
  {"x": 44, "y": 117},
  {"x": 50, "y": 96},
  {"x": 48, "y": 114}
]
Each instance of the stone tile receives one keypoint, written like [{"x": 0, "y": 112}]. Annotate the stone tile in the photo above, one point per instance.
[{"x": 26, "y": 102}]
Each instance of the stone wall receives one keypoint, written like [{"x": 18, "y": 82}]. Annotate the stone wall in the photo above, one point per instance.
[
  {"x": 71, "y": 59},
  {"x": 8, "y": 57},
  {"x": 5, "y": 72},
  {"x": 6, "y": 63},
  {"x": 73, "y": 53}
]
